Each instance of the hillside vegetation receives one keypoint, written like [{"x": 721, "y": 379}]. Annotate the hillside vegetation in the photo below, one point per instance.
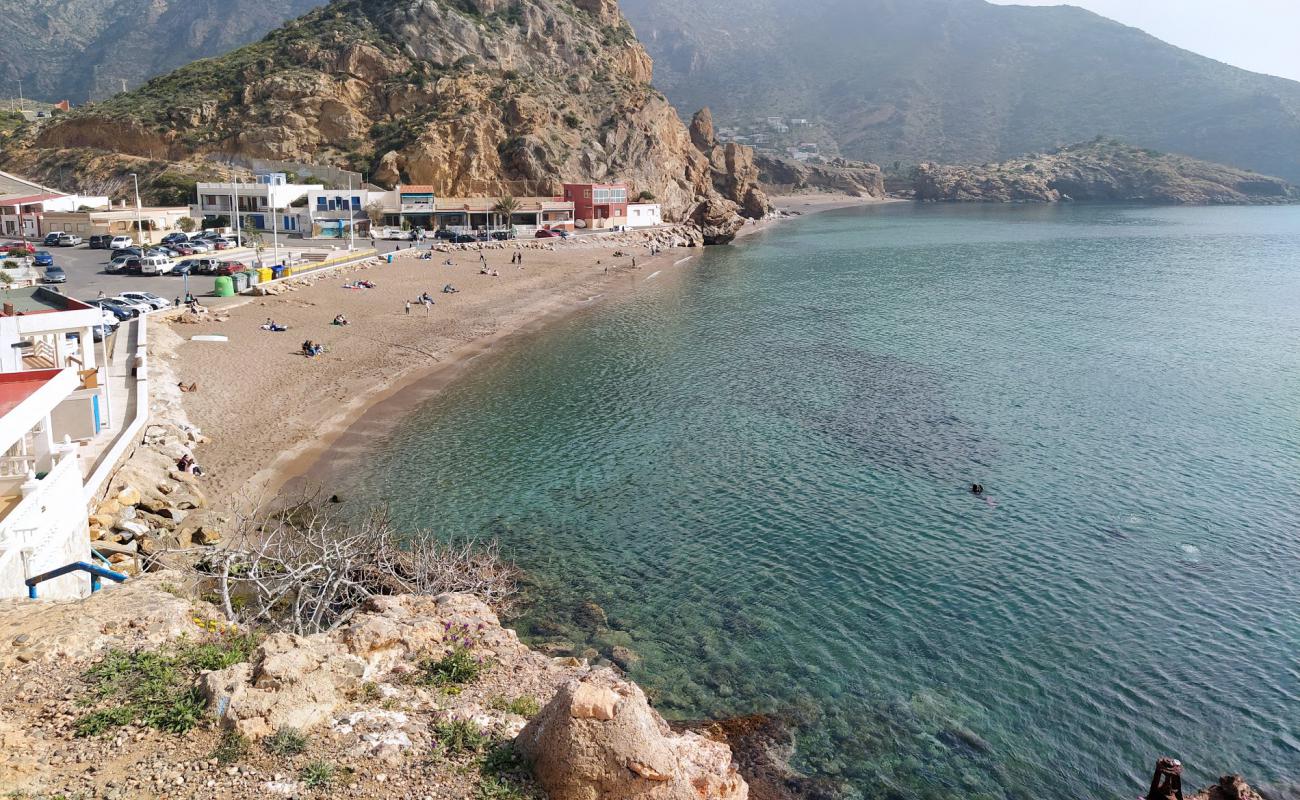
[{"x": 964, "y": 81}]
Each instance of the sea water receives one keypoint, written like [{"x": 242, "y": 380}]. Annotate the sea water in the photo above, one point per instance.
[{"x": 757, "y": 466}]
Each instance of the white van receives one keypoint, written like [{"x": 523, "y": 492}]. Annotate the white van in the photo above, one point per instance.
[{"x": 156, "y": 265}]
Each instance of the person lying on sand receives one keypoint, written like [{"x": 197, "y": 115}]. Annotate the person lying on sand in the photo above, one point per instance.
[
  {"x": 340, "y": 320},
  {"x": 311, "y": 349},
  {"x": 272, "y": 325},
  {"x": 449, "y": 289},
  {"x": 193, "y": 387}
]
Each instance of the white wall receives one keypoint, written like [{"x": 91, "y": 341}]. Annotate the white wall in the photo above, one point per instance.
[{"x": 644, "y": 215}]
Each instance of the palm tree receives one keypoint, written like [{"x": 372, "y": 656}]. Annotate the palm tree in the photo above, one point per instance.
[{"x": 506, "y": 206}]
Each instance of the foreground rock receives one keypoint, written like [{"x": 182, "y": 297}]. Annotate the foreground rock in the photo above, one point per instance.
[
  {"x": 1101, "y": 170},
  {"x": 600, "y": 740}
]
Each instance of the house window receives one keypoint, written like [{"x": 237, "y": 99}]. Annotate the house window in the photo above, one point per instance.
[
  {"x": 356, "y": 203},
  {"x": 321, "y": 203}
]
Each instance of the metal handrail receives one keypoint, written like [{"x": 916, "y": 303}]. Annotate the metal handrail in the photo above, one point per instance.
[{"x": 96, "y": 572}]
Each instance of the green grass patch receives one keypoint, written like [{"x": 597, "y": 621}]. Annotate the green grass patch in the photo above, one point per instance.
[
  {"x": 525, "y": 705},
  {"x": 232, "y": 748},
  {"x": 157, "y": 688}
]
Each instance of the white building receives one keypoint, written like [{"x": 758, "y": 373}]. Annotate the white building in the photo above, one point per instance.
[
  {"x": 43, "y": 523},
  {"x": 332, "y": 211},
  {"x": 23, "y": 205},
  {"x": 271, "y": 203},
  {"x": 644, "y": 215}
]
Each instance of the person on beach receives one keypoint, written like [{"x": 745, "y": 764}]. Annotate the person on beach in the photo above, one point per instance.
[
  {"x": 408, "y": 308},
  {"x": 449, "y": 289},
  {"x": 340, "y": 320},
  {"x": 448, "y": 263}
]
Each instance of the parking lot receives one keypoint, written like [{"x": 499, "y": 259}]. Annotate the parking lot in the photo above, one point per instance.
[{"x": 86, "y": 276}]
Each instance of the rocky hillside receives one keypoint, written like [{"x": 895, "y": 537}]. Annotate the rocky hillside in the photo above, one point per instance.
[
  {"x": 83, "y": 50},
  {"x": 1101, "y": 170},
  {"x": 854, "y": 178},
  {"x": 963, "y": 81},
  {"x": 473, "y": 97}
]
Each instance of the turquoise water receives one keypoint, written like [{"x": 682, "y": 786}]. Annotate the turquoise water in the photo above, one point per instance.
[{"x": 756, "y": 463}]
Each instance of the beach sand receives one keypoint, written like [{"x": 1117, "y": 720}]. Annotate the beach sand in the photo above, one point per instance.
[{"x": 271, "y": 412}]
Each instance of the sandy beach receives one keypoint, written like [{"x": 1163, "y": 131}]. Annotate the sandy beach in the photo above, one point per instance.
[{"x": 271, "y": 412}]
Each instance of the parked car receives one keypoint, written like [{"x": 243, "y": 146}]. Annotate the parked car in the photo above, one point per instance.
[
  {"x": 22, "y": 248},
  {"x": 502, "y": 236},
  {"x": 118, "y": 264},
  {"x": 155, "y": 302},
  {"x": 99, "y": 241},
  {"x": 464, "y": 238},
  {"x": 444, "y": 233},
  {"x": 54, "y": 274},
  {"x": 52, "y": 238},
  {"x": 138, "y": 307},
  {"x": 392, "y": 233},
  {"x": 229, "y": 268},
  {"x": 120, "y": 242},
  {"x": 547, "y": 233},
  {"x": 126, "y": 251},
  {"x": 114, "y": 307},
  {"x": 160, "y": 250},
  {"x": 181, "y": 248},
  {"x": 174, "y": 237},
  {"x": 223, "y": 244},
  {"x": 69, "y": 240},
  {"x": 199, "y": 246},
  {"x": 42, "y": 259}
]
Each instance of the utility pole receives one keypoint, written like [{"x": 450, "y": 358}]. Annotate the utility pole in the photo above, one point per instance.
[
  {"x": 21, "y": 104},
  {"x": 352, "y": 219},
  {"x": 139, "y": 226},
  {"x": 275, "y": 222},
  {"x": 239, "y": 239}
]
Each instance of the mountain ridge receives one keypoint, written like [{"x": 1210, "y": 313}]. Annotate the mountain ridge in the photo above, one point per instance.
[{"x": 965, "y": 81}]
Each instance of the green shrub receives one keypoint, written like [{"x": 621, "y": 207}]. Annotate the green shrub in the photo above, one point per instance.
[
  {"x": 232, "y": 748},
  {"x": 459, "y": 667},
  {"x": 317, "y": 775},
  {"x": 285, "y": 742},
  {"x": 459, "y": 736}
]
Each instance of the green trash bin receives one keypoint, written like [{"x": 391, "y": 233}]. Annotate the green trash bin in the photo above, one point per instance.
[{"x": 224, "y": 286}]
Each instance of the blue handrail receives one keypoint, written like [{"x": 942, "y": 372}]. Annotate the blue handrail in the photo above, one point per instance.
[{"x": 96, "y": 572}]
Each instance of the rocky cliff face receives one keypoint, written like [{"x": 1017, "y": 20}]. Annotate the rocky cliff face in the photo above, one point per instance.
[
  {"x": 83, "y": 50},
  {"x": 853, "y": 178},
  {"x": 1100, "y": 171},
  {"x": 472, "y": 97}
]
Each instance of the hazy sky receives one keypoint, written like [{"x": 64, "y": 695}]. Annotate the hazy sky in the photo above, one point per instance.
[{"x": 1259, "y": 35}]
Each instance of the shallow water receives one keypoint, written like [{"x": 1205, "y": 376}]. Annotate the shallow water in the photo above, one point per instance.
[{"x": 757, "y": 463}]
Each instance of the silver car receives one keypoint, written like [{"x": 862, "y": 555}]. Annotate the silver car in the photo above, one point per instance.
[{"x": 69, "y": 240}]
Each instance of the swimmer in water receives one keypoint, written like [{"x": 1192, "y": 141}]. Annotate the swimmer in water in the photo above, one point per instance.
[{"x": 977, "y": 488}]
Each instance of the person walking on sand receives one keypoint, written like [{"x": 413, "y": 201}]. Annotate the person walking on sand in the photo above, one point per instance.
[{"x": 408, "y": 308}]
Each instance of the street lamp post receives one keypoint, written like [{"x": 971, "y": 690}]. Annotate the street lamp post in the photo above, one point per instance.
[{"x": 139, "y": 226}]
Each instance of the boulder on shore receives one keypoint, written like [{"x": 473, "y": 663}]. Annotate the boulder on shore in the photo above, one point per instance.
[{"x": 599, "y": 739}]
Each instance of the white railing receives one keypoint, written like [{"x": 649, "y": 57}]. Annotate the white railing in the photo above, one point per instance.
[
  {"x": 47, "y": 528},
  {"x": 17, "y": 466}
]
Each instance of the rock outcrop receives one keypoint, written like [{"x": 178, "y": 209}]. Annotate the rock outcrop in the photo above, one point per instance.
[
  {"x": 1101, "y": 170},
  {"x": 600, "y": 740},
  {"x": 471, "y": 98},
  {"x": 854, "y": 178}
]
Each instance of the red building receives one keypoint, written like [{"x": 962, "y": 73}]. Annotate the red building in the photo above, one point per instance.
[{"x": 598, "y": 205}]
